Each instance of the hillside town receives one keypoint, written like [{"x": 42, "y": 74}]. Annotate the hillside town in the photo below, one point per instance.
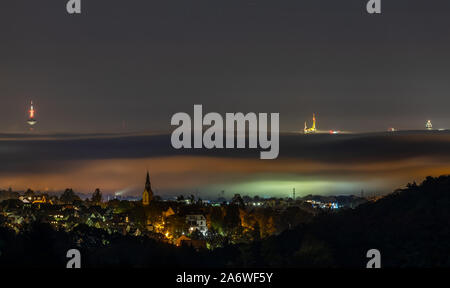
[{"x": 182, "y": 221}]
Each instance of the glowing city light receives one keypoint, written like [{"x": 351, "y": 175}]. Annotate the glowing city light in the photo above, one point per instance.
[
  {"x": 313, "y": 127},
  {"x": 31, "y": 121}
]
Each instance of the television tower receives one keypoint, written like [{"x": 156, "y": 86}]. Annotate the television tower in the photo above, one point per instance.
[{"x": 31, "y": 120}]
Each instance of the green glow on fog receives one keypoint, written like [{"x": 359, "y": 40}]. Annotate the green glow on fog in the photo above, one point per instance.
[{"x": 283, "y": 188}]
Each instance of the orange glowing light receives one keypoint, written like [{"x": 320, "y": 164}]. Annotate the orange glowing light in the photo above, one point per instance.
[{"x": 31, "y": 111}]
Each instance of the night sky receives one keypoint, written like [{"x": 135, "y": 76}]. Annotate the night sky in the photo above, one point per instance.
[
  {"x": 127, "y": 66},
  {"x": 132, "y": 64}
]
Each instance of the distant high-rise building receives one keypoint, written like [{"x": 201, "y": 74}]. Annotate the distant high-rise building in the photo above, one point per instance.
[
  {"x": 313, "y": 127},
  {"x": 31, "y": 120},
  {"x": 147, "y": 196},
  {"x": 429, "y": 126}
]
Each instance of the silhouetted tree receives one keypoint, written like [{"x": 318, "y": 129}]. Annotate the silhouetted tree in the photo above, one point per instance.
[
  {"x": 69, "y": 196},
  {"x": 237, "y": 200},
  {"x": 29, "y": 193},
  {"x": 232, "y": 218},
  {"x": 97, "y": 196}
]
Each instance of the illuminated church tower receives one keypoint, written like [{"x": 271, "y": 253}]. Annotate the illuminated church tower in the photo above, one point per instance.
[{"x": 147, "y": 196}]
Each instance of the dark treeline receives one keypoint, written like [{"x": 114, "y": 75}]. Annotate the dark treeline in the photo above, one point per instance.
[{"x": 410, "y": 227}]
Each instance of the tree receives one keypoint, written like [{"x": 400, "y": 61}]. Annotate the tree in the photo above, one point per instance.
[
  {"x": 247, "y": 199},
  {"x": 256, "y": 233},
  {"x": 215, "y": 239},
  {"x": 196, "y": 235},
  {"x": 69, "y": 196},
  {"x": 176, "y": 225},
  {"x": 216, "y": 219},
  {"x": 29, "y": 193},
  {"x": 232, "y": 219},
  {"x": 97, "y": 196},
  {"x": 237, "y": 200}
]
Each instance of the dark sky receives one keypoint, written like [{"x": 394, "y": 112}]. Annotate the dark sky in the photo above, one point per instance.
[{"x": 129, "y": 65}]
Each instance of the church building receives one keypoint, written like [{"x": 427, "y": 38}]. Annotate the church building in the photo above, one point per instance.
[{"x": 147, "y": 196}]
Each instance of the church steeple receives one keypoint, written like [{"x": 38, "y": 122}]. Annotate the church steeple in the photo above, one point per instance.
[
  {"x": 147, "y": 196},
  {"x": 148, "y": 187}
]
